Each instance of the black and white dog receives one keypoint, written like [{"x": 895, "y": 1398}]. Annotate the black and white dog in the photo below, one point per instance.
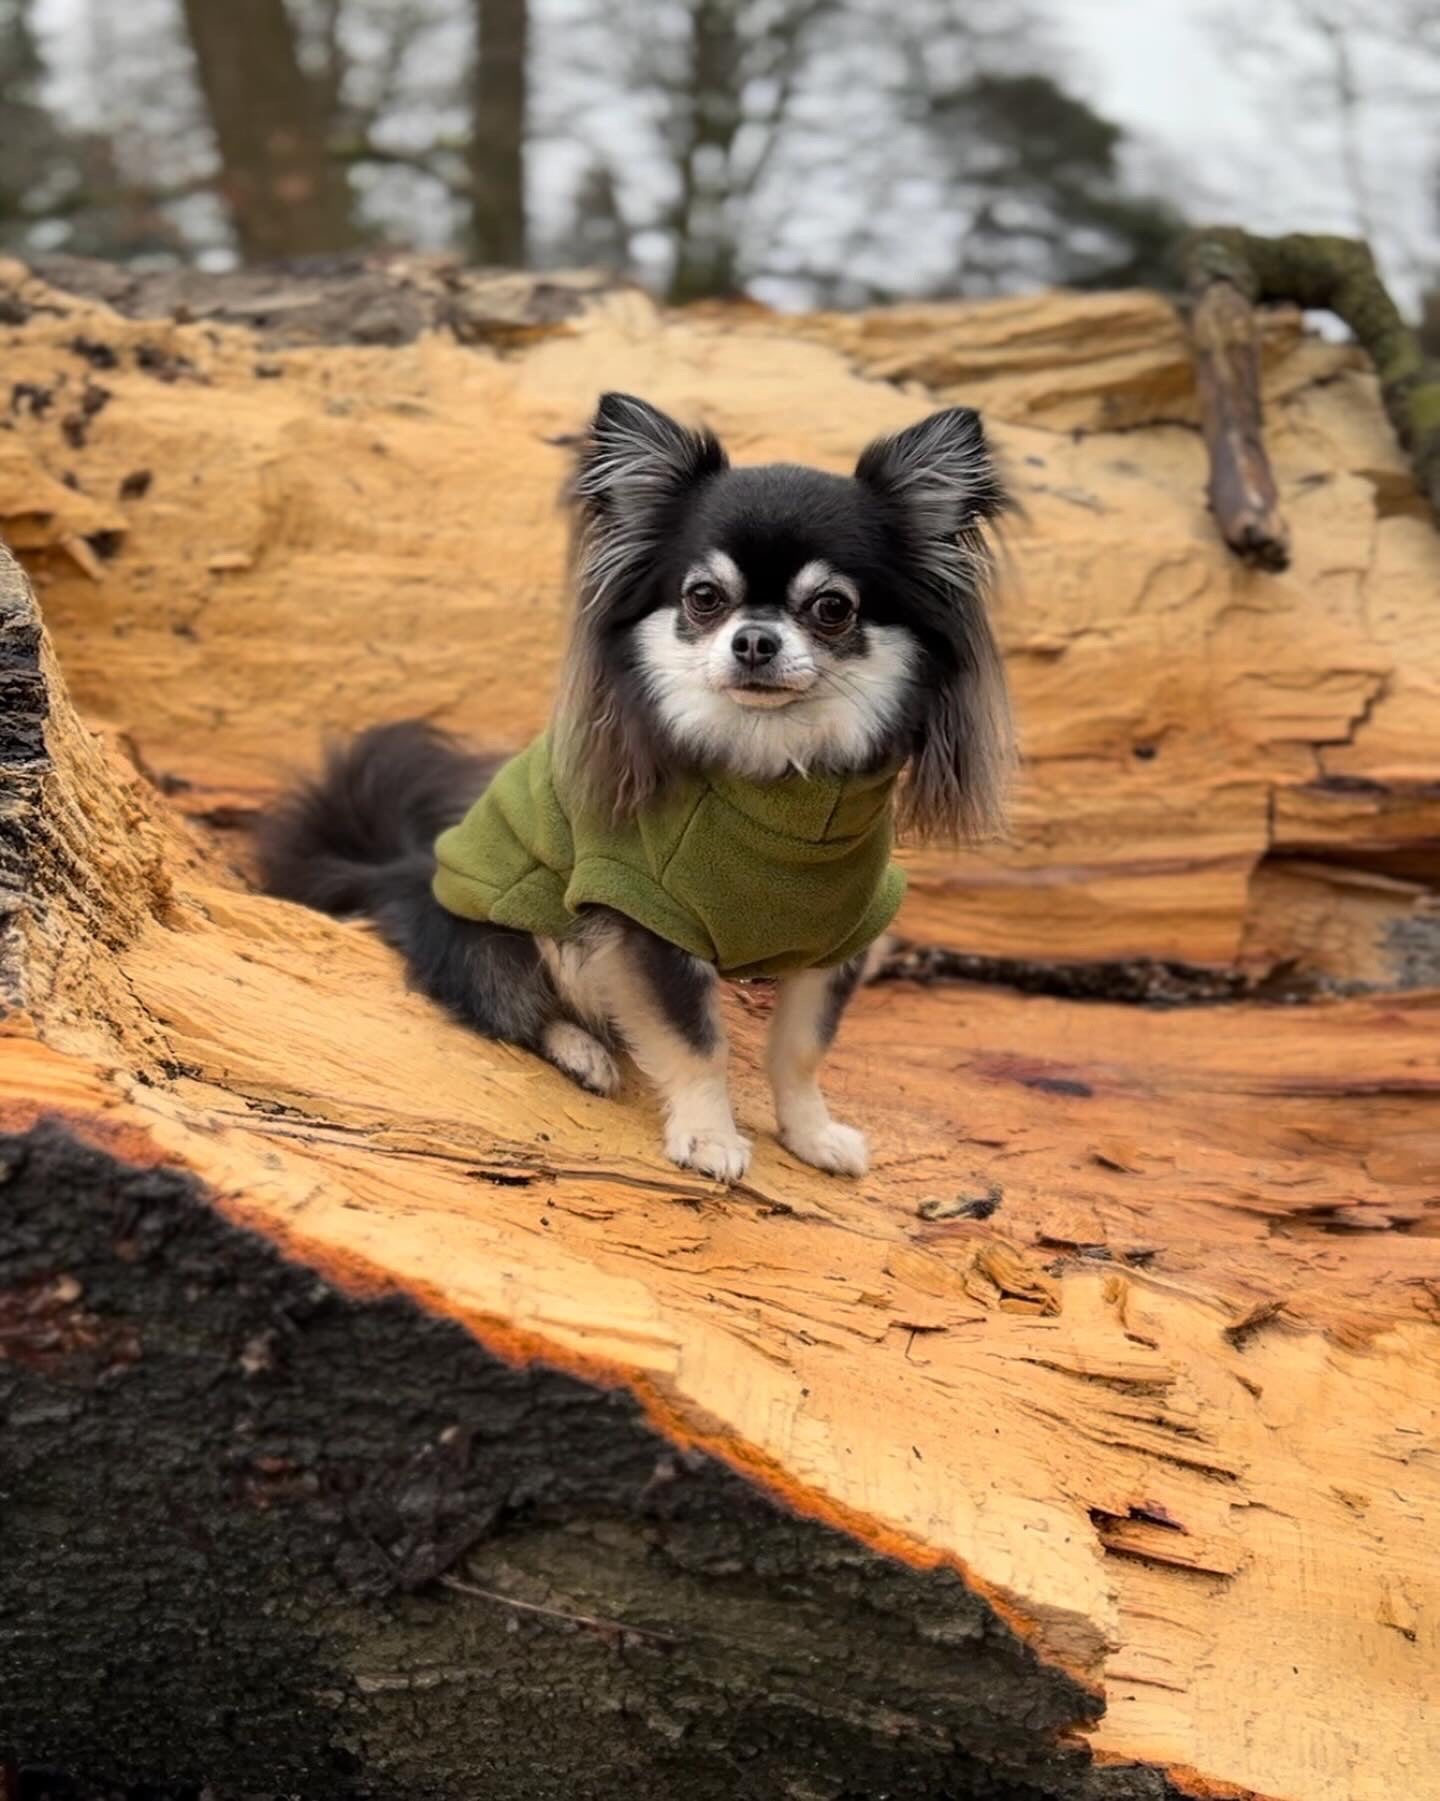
[{"x": 751, "y": 624}]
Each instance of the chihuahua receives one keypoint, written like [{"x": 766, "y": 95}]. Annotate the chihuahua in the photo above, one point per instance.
[{"x": 772, "y": 671}]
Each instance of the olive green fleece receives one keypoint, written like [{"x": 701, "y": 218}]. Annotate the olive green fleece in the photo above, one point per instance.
[{"x": 758, "y": 878}]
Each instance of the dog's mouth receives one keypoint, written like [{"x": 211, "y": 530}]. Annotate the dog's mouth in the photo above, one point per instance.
[
  {"x": 761, "y": 695},
  {"x": 753, "y": 695}
]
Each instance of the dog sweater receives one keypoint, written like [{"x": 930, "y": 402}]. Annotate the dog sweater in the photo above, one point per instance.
[{"x": 758, "y": 878}]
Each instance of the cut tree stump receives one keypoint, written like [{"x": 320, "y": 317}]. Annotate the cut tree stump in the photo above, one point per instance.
[{"x": 383, "y": 1417}]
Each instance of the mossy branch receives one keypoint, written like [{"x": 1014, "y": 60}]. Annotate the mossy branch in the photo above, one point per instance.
[{"x": 1334, "y": 274}]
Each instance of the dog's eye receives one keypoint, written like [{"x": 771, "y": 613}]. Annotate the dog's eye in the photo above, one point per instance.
[
  {"x": 831, "y": 610},
  {"x": 703, "y": 600}
]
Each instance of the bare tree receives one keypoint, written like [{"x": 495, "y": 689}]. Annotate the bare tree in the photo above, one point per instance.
[
  {"x": 715, "y": 82},
  {"x": 498, "y": 124},
  {"x": 1359, "y": 83},
  {"x": 846, "y": 150},
  {"x": 62, "y": 180},
  {"x": 599, "y": 237},
  {"x": 819, "y": 150},
  {"x": 284, "y": 192},
  {"x": 1335, "y": 31}
]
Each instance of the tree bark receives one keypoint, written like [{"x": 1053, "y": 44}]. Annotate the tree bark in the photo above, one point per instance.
[
  {"x": 285, "y": 195},
  {"x": 382, "y": 1417},
  {"x": 498, "y": 124}
]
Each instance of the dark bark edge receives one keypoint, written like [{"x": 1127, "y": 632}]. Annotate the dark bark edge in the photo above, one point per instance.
[{"x": 24, "y": 760}]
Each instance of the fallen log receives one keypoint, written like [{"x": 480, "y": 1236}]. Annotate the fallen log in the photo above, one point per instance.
[
  {"x": 383, "y": 1417},
  {"x": 298, "y": 504}
]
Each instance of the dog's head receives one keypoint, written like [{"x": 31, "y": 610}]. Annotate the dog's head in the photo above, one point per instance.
[{"x": 772, "y": 619}]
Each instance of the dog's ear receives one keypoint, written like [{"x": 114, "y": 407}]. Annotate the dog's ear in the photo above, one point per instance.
[
  {"x": 940, "y": 471},
  {"x": 963, "y": 753},
  {"x": 634, "y": 456},
  {"x": 942, "y": 480},
  {"x": 634, "y": 469}
]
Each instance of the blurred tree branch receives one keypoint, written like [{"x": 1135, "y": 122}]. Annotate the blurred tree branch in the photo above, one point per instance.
[
  {"x": 429, "y": 162},
  {"x": 333, "y": 59}
]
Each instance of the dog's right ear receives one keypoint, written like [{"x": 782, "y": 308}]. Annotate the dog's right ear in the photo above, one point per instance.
[{"x": 635, "y": 456}]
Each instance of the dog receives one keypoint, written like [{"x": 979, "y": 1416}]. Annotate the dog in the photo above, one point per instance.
[{"x": 771, "y": 670}]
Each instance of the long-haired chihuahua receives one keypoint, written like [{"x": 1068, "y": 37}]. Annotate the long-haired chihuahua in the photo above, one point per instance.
[{"x": 771, "y": 671}]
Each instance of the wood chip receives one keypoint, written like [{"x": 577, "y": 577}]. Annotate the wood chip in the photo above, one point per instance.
[{"x": 1251, "y": 1320}]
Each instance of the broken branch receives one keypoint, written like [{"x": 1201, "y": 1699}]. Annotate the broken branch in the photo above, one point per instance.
[{"x": 1226, "y": 272}]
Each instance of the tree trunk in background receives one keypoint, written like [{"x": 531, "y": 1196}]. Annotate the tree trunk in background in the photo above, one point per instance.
[
  {"x": 284, "y": 195},
  {"x": 497, "y": 132},
  {"x": 1430, "y": 323},
  {"x": 704, "y": 241},
  {"x": 598, "y": 234},
  {"x": 21, "y": 67}
]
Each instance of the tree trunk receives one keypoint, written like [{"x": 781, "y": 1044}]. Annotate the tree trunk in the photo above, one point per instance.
[
  {"x": 708, "y": 119},
  {"x": 498, "y": 120},
  {"x": 383, "y": 1417},
  {"x": 284, "y": 194}
]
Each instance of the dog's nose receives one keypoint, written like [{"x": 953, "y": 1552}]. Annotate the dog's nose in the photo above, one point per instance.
[{"x": 753, "y": 645}]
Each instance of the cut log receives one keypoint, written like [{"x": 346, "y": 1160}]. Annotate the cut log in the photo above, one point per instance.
[{"x": 382, "y": 1416}]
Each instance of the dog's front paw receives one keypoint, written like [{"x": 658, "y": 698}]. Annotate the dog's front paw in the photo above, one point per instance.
[
  {"x": 840, "y": 1149},
  {"x": 722, "y": 1154}
]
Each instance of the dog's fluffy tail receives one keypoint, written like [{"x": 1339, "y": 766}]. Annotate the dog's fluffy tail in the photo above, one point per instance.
[
  {"x": 349, "y": 840},
  {"x": 359, "y": 839}
]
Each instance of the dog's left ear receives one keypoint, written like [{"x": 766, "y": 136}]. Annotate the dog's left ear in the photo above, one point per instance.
[
  {"x": 940, "y": 477},
  {"x": 940, "y": 471}
]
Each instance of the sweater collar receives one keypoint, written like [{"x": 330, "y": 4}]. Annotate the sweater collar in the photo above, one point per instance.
[{"x": 812, "y": 809}]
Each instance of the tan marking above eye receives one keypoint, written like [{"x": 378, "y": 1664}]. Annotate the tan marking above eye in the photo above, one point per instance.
[
  {"x": 719, "y": 568},
  {"x": 817, "y": 576}
]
